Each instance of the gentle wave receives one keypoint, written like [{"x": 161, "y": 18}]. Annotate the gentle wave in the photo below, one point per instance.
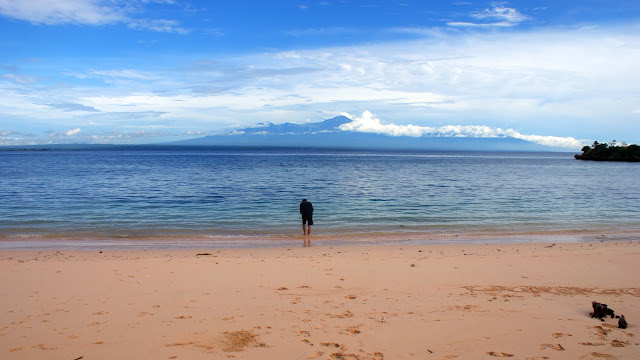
[{"x": 254, "y": 194}]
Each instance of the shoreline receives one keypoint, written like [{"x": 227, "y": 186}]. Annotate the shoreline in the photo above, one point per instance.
[
  {"x": 362, "y": 302},
  {"x": 276, "y": 241}
]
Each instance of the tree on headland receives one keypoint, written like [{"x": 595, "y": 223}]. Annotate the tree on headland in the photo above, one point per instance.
[{"x": 610, "y": 152}]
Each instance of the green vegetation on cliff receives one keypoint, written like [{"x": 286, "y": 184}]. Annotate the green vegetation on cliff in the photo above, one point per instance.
[{"x": 610, "y": 152}]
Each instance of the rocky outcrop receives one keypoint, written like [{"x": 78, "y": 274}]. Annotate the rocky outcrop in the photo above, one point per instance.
[{"x": 604, "y": 152}]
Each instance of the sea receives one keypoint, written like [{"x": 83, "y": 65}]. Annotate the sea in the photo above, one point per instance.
[{"x": 168, "y": 197}]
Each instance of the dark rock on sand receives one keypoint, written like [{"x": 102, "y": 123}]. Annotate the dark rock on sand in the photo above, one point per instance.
[
  {"x": 622, "y": 323},
  {"x": 601, "y": 311}
]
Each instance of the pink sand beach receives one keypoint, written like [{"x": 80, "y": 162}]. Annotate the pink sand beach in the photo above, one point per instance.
[{"x": 461, "y": 301}]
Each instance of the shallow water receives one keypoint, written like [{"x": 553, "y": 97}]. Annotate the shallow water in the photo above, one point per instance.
[{"x": 227, "y": 195}]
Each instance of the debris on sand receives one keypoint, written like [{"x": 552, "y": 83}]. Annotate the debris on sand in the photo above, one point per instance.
[
  {"x": 622, "y": 322},
  {"x": 601, "y": 311}
]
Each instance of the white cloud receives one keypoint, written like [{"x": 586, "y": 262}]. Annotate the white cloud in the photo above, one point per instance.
[
  {"x": 72, "y": 107},
  {"x": 21, "y": 79},
  {"x": 92, "y": 12},
  {"x": 580, "y": 83},
  {"x": 564, "y": 142},
  {"x": 329, "y": 31},
  {"x": 88, "y": 12},
  {"x": 159, "y": 25},
  {"x": 10, "y": 137},
  {"x": 72, "y": 132},
  {"x": 470, "y": 24},
  {"x": 120, "y": 136},
  {"x": 129, "y": 74},
  {"x": 498, "y": 16},
  {"x": 500, "y": 13},
  {"x": 370, "y": 124}
]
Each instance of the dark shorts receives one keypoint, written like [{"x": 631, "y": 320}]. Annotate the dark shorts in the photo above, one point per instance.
[{"x": 306, "y": 219}]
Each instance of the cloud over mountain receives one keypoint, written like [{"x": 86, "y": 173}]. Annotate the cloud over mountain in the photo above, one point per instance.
[
  {"x": 369, "y": 123},
  {"x": 367, "y": 131}
]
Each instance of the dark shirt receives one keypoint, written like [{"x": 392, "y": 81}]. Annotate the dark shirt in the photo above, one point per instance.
[{"x": 306, "y": 209}]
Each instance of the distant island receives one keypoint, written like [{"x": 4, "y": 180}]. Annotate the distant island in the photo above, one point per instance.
[{"x": 610, "y": 152}]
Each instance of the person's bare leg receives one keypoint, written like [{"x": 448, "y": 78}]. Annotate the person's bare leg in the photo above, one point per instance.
[
  {"x": 309, "y": 230},
  {"x": 304, "y": 229}
]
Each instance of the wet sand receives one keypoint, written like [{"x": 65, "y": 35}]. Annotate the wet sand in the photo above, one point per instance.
[{"x": 456, "y": 301}]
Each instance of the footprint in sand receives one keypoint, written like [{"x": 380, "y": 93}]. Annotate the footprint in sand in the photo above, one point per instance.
[
  {"x": 556, "y": 347},
  {"x": 597, "y": 355},
  {"x": 353, "y": 330},
  {"x": 296, "y": 300},
  {"x": 601, "y": 332},
  {"x": 345, "y": 314},
  {"x": 499, "y": 354},
  {"x": 45, "y": 347},
  {"x": 341, "y": 356},
  {"x": 618, "y": 343},
  {"x": 236, "y": 341},
  {"x": 316, "y": 355},
  {"x": 557, "y": 335}
]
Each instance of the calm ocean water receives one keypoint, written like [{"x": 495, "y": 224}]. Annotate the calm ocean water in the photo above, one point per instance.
[{"x": 233, "y": 195}]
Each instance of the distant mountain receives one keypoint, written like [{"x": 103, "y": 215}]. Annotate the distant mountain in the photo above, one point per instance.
[
  {"x": 327, "y": 134},
  {"x": 330, "y": 125}
]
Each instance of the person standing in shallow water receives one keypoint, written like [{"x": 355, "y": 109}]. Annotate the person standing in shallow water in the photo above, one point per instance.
[{"x": 306, "y": 209}]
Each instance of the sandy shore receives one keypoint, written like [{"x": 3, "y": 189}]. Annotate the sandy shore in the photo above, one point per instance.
[{"x": 524, "y": 301}]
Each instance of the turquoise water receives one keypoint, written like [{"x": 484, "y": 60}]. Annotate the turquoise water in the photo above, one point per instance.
[{"x": 233, "y": 195}]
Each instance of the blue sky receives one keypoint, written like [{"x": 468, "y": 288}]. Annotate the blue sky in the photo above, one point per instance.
[{"x": 142, "y": 71}]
